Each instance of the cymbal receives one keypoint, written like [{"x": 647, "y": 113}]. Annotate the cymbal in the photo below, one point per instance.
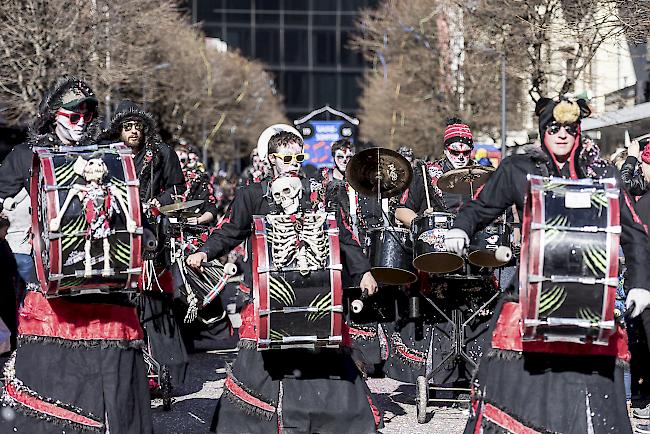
[
  {"x": 464, "y": 180},
  {"x": 174, "y": 208},
  {"x": 379, "y": 169}
]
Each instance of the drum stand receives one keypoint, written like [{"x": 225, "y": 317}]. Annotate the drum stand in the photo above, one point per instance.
[{"x": 458, "y": 353}]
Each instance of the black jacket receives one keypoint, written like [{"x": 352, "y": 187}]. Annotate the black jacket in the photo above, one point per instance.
[
  {"x": 508, "y": 185},
  {"x": 253, "y": 199},
  {"x": 633, "y": 182}
]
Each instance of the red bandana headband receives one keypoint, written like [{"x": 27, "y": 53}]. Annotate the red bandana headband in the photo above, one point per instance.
[{"x": 458, "y": 133}]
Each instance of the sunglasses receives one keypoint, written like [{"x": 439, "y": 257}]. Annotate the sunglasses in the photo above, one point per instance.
[
  {"x": 128, "y": 126},
  {"x": 288, "y": 158},
  {"x": 554, "y": 128},
  {"x": 76, "y": 117},
  {"x": 457, "y": 153}
]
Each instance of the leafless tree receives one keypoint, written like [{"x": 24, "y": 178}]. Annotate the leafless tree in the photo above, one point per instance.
[{"x": 144, "y": 50}]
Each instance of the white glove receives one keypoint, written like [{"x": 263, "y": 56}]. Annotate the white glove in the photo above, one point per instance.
[
  {"x": 638, "y": 298},
  {"x": 9, "y": 204},
  {"x": 456, "y": 240}
]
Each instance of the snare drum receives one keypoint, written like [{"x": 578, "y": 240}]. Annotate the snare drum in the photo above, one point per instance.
[
  {"x": 390, "y": 251},
  {"x": 484, "y": 246},
  {"x": 60, "y": 256},
  {"x": 430, "y": 254},
  {"x": 569, "y": 260},
  {"x": 297, "y": 291}
]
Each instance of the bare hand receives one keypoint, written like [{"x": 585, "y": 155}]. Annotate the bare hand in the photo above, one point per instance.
[
  {"x": 196, "y": 259},
  {"x": 368, "y": 283},
  {"x": 634, "y": 150}
]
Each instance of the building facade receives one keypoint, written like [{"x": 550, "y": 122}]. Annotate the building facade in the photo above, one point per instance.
[{"x": 304, "y": 44}]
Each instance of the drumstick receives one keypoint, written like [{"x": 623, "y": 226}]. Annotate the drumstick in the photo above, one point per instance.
[
  {"x": 426, "y": 187},
  {"x": 357, "y": 305}
]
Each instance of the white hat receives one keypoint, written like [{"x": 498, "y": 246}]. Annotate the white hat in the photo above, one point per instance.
[{"x": 263, "y": 141}]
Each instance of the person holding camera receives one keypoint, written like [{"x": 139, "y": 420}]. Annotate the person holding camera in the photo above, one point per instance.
[{"x": 636, "y": 183}]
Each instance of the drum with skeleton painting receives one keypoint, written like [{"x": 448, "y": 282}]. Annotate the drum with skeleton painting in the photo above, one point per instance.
[
  {"x": 297, "y": 281},
  {"x": 569, "y": 260},
  {"x": 86, "y": 220}
]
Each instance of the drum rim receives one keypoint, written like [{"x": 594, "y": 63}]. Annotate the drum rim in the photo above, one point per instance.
[{"x": 389, "y": 229}]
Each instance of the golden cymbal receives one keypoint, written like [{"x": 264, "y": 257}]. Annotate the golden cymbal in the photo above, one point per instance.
[
  {"x": 179, "y": 207},
  {"x": 465, "y": 180},
  {"x": 379, "y": 169}
]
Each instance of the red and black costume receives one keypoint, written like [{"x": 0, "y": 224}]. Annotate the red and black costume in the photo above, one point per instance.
[
  {"x": 296, "y": 390},
  {"x": 161, "y": 177},
  {"x": 557, "y": 387},
  {"x": 79, "y": 366}
]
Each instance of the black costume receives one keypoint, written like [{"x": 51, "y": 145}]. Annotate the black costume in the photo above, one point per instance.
[
  {"x": 160, "y": 176},
  {"x": 369, "y": 339},
  {"x": 633, "y": 182},
  {"x": 79, "y": 365},
  {"x": 298, "y": 390},
  {"x": 546, "y": 392}
]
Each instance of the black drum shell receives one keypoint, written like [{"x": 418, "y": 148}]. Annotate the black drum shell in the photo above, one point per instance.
[
  {"x": 485, "y": 242},
  {"x": 390, "y": 251},
  {"x": 429, "y": 252}
]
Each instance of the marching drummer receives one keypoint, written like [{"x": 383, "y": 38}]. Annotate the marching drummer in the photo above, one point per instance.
[
  {"x": 292, "y": 388},
  {"x": 561, "y": 386},
  {"x": 423, "y": 198}
]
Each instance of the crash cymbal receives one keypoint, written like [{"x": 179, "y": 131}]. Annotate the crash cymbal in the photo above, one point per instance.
[
  {"x": 179, "y": 207},
  {"x": 465, "y": 180},
  {"x": 379, "y": 168}
]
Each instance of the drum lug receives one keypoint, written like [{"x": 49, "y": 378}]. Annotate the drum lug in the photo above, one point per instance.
[{"x": 337, "y": 309}]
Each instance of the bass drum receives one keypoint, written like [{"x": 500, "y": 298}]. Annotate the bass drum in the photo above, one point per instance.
[
  {"x": 390, "y": 251},
  {"x": 491, "y": 246},
  {"x": 430, "y": 254},
  {"x": 61, "y": 256}
]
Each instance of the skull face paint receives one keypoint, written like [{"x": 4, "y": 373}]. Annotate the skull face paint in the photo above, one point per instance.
[
  {"x": 68, "y": 131},
  {"x": 458, "y": 154},
  {"x": 287, "y": 191},
  {"x": 342, "y": 158}
]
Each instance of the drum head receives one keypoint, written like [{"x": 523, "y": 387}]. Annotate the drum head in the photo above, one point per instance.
[
  {"x": 393, "y": 276},
  {"x": 485, "y": 258},
  {"x": 438, "y": 262}
]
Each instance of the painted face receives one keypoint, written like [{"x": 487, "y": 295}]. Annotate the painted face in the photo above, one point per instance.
[
  {"x": 287, "y": 160},
  {"x": 458, "y": 154},
  {"x": 560, "y": 139},
  {"x": 132, "y": 133},
  {"x": 183, "y": 157},
  {"x": 70, "y": 125},
  {"x": 192, "y": 160},
  {"x": 342, "y": 157}
]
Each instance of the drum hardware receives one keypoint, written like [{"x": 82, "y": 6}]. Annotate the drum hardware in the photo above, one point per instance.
[
  {"x": 379, "y": 172},
  {"x": 464, "y": 180},
  {"x": 414, "y": 307}
]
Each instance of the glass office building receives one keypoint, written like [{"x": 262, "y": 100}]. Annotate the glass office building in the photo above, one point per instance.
[{"x": 303, "y": 42}]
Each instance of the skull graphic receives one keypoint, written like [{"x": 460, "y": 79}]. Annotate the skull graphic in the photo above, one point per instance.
[{"x": 287, "y": 191}]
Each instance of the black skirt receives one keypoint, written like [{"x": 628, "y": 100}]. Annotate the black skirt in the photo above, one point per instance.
[
  {"x": 549, "y": 392},
  {"x": 106, "y": 387},
  {"x": 298, "y": 390}
]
